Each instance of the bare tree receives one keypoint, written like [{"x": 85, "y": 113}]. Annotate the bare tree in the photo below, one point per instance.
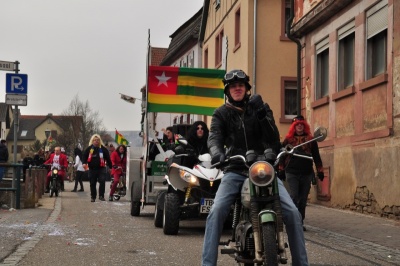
[{"x": 80, "y": 130}]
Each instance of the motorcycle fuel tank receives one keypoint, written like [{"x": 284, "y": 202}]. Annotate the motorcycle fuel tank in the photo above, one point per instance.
[{"x": 245, "y": 194}]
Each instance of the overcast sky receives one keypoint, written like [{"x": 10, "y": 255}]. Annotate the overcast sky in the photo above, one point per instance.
[{"x": 93, "y": 48}]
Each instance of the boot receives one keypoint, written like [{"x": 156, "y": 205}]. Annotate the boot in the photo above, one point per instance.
[{"x": 62, "y": 186}]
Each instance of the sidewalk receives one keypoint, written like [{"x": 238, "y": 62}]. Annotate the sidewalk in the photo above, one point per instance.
[
  {"x": 354, "y": 231},
  {"x": 18, "y": 226}
]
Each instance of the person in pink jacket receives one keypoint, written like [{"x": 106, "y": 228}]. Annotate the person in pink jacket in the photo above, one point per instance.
[
  {"x": 59, "y": 160},
  {"x": 118, "y": 159}
]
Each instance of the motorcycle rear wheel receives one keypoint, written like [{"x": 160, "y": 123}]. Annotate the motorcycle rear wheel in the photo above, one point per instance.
[
  {"x": 171, "y": 214},
  {"x": 270, "y": 244}
]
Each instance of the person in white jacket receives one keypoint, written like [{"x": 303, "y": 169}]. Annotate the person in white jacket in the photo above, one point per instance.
[{"x": 80, "y": 171}]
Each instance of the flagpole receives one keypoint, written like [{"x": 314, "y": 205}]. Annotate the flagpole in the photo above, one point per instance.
[{"x": 146, "y": 125}]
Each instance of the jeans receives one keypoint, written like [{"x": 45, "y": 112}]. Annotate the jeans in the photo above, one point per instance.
[
  {"x": 78, "y": 179},
  {"x": 227, "y": 192},
  {"x": 299, "y": 187},
  {"x": 2, "y": 170},
  {"x": 97, "y": 175}
]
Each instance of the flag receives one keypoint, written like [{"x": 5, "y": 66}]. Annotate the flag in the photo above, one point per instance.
[
  {"x": 184, "y": 90},
  {"x": 119, "y": 139},
  {"x": 127, "y": 98}
]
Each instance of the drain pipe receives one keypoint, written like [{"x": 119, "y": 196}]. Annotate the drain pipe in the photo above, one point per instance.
[
  {"x": 297, "y": 41},
  {"x": 254, "y": 47}
]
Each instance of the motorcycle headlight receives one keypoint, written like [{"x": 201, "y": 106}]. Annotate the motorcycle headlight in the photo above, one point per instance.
[
  {"x": 55, "y": 171},
  {"x": 188, "y": 177},
  {"x": 261, "y": 173}
]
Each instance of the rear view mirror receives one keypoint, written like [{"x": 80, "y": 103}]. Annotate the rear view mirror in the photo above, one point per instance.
[{"x": 320, "y": 133}]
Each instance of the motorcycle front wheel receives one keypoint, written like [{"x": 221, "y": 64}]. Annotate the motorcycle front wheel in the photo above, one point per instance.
[
  {"x": 270, "y": 244},
  {"x": 52, "y": 189}
]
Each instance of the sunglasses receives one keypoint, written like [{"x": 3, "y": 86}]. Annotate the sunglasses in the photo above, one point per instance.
[
  {"x": 239, "y": 74},
  {"x": 199, "y": 128}
]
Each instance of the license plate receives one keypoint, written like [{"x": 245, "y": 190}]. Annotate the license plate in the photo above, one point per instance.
[{"x": 205, "y": 205}]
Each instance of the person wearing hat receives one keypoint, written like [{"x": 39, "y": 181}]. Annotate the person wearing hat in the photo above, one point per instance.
[
  {"x": 299, "y": 171},
  {"x": 244, "y": 123}
]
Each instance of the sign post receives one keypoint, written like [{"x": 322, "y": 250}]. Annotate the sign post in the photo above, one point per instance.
[{"x": 16, "y": 84}]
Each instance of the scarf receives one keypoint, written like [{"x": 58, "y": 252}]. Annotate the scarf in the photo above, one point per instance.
[{"x": 102, "y": 163}]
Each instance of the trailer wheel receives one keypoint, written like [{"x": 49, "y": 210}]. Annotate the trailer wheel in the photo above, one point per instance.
[
  {"x": 159, "y": 207},
  {"x": 135, "y": 205}
]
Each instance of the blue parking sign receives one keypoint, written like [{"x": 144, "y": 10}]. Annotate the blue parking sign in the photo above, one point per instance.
[{"x": 16, "y": 83}]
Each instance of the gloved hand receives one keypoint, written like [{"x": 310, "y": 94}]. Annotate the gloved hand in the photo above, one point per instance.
[
  {"x": 218, "y": 158},
  {"x": 320, "y": 176},
  {"x": 256, "y": 101},
  {"x": 282, "y": 175}
]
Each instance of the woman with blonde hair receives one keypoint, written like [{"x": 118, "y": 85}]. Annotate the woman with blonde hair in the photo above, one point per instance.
[{"x": 96, "y": 159}]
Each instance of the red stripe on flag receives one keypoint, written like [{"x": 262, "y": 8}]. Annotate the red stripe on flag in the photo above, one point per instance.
[{"x": 163, "y": 79}]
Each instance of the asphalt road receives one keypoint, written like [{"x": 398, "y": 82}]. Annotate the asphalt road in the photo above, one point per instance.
[{"x": 78, "y": 232}]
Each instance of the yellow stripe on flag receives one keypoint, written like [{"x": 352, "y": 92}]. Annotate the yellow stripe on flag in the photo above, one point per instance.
[{"x": 200, "y": 82}]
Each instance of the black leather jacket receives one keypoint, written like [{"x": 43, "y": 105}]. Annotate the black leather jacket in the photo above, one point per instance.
[{"x": 234, "y": 131}]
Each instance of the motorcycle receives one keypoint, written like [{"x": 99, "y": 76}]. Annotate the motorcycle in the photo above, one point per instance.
[
  {"x": 257, "y": 225},
  {"x": 120, "y": 189},
  {"x": 55, "y": 180},
  {"x": 190, "y": 192}
]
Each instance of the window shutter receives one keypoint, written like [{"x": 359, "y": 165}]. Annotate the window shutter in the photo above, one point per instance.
[
  {"x": 346, "y": 30},
  {"x": 322, "y": 45},
  {"x": 377, "y": 19}
]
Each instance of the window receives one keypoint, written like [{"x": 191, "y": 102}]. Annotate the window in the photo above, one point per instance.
[
  {"x": 290, "y": 97},
  {"x": 206, "y": 58},
  {"x": 192, "y": 59},
  {"x": 322, "y": 72},
  {"x": 377, "y": 23},
  {"x": 218, "y": 48},
  {"x": 285, "y": 16},
  {"x": 23, "y": 133},
  {"x": 345, "y": 65},
  {"x": 237, "y": 28}
]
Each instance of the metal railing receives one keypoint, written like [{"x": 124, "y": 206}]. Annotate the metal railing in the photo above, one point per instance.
[{"x": 16, "y": 175}]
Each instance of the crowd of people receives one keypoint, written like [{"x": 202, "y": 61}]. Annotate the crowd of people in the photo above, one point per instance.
[{"x": 245, "y": 122}]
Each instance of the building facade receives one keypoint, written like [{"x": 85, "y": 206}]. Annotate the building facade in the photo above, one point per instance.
[
  {"x": 350, "y": 61},
  {"x": 251, "y": 35}
]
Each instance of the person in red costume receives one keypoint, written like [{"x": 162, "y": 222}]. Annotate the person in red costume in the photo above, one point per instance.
[
  {"x": 299, "y": 171},
  {"x": 118, "y": 159},
  {"x": 59, "y": 160}
]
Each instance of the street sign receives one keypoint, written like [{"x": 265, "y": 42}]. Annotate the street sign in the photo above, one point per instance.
[
  {"x": 7, "y": 66},
  {"x": 17, "y": 99},
  {"x": 16, "y": 83}
]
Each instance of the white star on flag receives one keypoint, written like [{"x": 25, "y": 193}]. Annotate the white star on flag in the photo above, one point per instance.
[{"x": 162, "y": 79}]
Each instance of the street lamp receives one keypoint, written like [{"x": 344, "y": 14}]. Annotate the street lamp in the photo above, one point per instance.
[{"x": 47, "y": 133}]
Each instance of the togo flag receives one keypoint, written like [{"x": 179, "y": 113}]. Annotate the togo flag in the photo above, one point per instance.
[
  {"x": 119, "y": 139},
  {"x": 185, "y": 90}
]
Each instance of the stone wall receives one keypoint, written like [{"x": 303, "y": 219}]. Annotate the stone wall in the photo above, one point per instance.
[
  {"x": 31, "y": 190},
  {"x": 364, "y": 202}
]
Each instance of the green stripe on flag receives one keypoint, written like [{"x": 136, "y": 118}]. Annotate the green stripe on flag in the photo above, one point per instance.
[
  {"x": 202, "y": 92},
  {"x": 202, "y": 72},
  {"x": 168, "y": 108}
]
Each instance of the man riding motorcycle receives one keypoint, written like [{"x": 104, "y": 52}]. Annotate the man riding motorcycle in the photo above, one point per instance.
[
  {"x": 244, "y": 123},
  {"x": 57, "y": 160}
]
